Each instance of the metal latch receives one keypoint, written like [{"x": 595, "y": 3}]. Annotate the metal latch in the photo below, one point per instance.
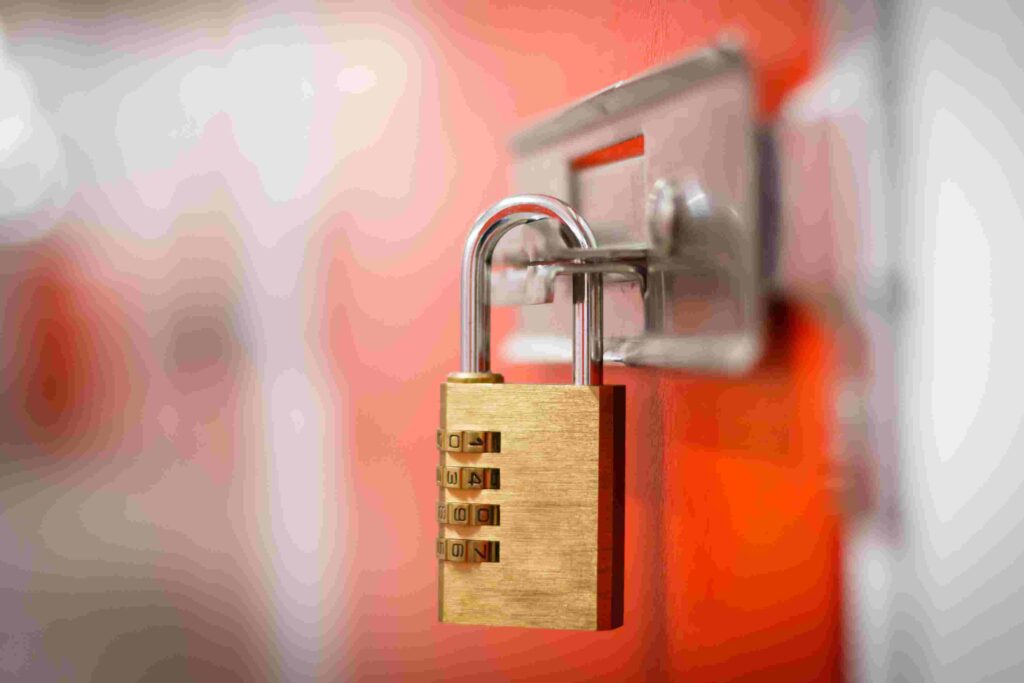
[{"x": 665, "y": 169}]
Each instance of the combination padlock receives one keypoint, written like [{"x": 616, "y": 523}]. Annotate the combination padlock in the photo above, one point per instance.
[{"x": 531, "y": 505}]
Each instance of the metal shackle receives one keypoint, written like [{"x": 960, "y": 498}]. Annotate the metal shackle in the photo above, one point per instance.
[{"x": 587, "y": 347}]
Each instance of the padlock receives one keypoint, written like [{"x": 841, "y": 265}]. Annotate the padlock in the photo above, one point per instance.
[{"x": 531, "y": 476}]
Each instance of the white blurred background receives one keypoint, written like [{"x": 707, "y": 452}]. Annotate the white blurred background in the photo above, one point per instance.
[
  {"x": 219, "y": 227},
  {"x": 950, "y": 585}
]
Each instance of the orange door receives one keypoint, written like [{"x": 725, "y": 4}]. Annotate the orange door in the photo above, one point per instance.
[{"x": 732, "y": 549}]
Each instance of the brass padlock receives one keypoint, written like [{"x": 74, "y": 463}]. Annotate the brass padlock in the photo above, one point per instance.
[{"x": 531, "y": 504}]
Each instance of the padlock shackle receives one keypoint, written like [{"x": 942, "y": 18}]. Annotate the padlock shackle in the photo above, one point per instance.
[{"x": 587, "y": 346}]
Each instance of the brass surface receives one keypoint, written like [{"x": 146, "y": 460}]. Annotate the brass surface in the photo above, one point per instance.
[
  {"x": 561, "y": 499},
  {"x": 475, "y": 378}
]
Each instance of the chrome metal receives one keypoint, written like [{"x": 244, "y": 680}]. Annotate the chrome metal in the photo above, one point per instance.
[
  {"x": 683, "y": 207},
  {"x": 495, "y": 222},
  {"x": 531, "y": 284},
  {"x": 595, "y": 256},
  {"x": 526, "y": 286},
  {"x": 624, "y": 261},
  {"x": 662, "y": 218},
  {"x": 632, "y": 94},
  {"x": 623, "y": 270}
]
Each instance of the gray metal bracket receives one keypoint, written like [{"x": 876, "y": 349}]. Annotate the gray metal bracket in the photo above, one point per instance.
[{"x": 665, "y": 169}]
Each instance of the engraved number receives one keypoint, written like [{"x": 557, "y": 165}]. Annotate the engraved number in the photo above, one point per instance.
[
  {"x": 456, "y": 550},
  {"x": 454, "y": 441},
  {"x": 473, "y": 442},
  {"x": 468, "y": 513},
  {"x": 469, "y": 477},
  {"x": 484, "y": 515},
  {"x": 452, "y": 477},
  {"x": 479, "y": 551},
  {"x": 459, "y": 513},
  {"x": 469, "y": 441},
  {"x": 472, "y": 478},
  {"x": 459, "y": 550}
]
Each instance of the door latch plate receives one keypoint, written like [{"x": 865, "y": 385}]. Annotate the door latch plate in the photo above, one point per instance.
[{"x": 663, "y": 165}]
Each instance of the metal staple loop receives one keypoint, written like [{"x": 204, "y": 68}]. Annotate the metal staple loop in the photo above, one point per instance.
[{"x": 588, "y": 351}]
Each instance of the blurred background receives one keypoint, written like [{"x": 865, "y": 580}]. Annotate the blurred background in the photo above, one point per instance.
[{"x": 229, "y": 247}]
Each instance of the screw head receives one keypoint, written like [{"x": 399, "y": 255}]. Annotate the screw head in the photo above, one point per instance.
[{"x": 662, "y": 218}]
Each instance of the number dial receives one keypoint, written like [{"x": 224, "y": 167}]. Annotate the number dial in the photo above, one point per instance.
[{"x": 468, "y": 477}]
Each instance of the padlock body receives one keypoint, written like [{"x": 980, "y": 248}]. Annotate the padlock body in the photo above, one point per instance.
[{"x": 559, "y": 506}]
